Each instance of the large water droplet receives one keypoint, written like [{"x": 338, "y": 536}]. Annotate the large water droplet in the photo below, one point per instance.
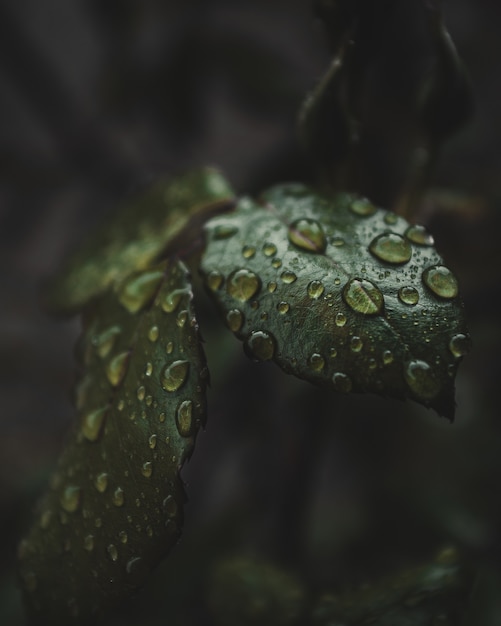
[
  {"x": 459, "y": 345},
  {"x": 342, "y": 382},
  {"x": 70, "y": 498},
  {"x": 308, "y": 235},
  {"x": 92, "y": 423},
  {"x": 214, "y": 280},
  {"x": 387, "y": 357},
  {"x": 116, "y": 368},
  {"x": 419, "y": 235},
  {"x": 269, "y": 249},
  {"x": 340, "y": 319},
  {"x": 362, "y": 207},
  {"x": 147, "y": 469},
  {"x": 184, "y": 418},
  {"x": 421, "y": 380},
  {"x": 391, "y": 248},
  {"x": 260, "y": 345},
  {"x": 315, "y": 289},
  {"x": 105, "y": 341},
  {"x": 283, "y": 307},
  {"x": 363, "y": 296},
  {"x": 153, "y": 333},
  {"x": 138, "y": 290},
  {"x": 174, "y": 375},
  {"x": 288, "y": 277},
  {"x": 101, "y": 482},
  {"x": 118, "y": 497},
  {"x": 356, "y": 344},
  {"x": 234, "y": 319},
  {"x": 317, "y": 362},
  {"x": 408, "y": 295},
  {"x": 248, "y": 252},
  {"x": 243, "y": 284},
  {"x": 441, "y": 281}
]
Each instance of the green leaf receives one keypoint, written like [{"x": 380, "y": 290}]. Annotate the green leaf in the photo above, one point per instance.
[
  {"x": 114, "y": 507},
  {"x": 136, "y": 235},
  {"x": 340, "y": 293}
]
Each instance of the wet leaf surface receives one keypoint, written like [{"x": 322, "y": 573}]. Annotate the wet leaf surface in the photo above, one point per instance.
[
  {"x": 136, "y": 235},
  {"x": 340, "y": 293},
  {"x": 114, "y": 507}
]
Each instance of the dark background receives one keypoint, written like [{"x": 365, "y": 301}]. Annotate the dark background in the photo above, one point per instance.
[{"x": 99, "y": 97}]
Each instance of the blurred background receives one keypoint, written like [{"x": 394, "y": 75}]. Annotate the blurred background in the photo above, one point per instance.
[{"x": 100, "y": 97}]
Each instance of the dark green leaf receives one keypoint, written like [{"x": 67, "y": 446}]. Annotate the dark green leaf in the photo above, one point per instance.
[
  {"x": 340, "y": 293},
  {"x": 136, "y": 235},
  {"x": 114, "y": 507}
]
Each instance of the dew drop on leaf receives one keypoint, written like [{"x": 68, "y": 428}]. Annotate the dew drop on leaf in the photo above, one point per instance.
[
  {"x": 105, "y": 341},
  {"x": 363, "y": 296},
  {"x": 214, "y": 280},
  {"x": 248, "y": 252},
  {"x": 288, "y": 277},
  {"x": 184, "y": 418},
  {"x": 147, "y": 469},
  {"x": 341, "y": 382},
  {"x": 441, "y": 281},
  {"x": 315, "y": 289},
  {"x": 70, "y": 498},
  {"x": 112, "y": 552},
  {"x": 116, "y": 368},
  {"x": 234, "y": 319},
  {"x": 419, "y": 376},
  {"x": 89, "y": 543},
  {"x": 136, "y": 292},
  {"x": 408, "y": 295},
  {"x": 316, "y": 362},
  {"x": 101, "y": 482},
  {"x": 391, "y": 248},
  {"x": 283, "y": 307},
  {"x": 362, "y": 207},
  {"x": 356, "y": 344},
  {"x": 118, "y": 497},
  {"x": 269, "y": 249},
  {"x": 419, "y": 235},
  {"x": 260, "y": 345},
  {"x": 174, "y": 375},
  {"x": 307, "y": 234},
  {"x": 153, "y": 333},
  {"x": 92, "y": 423},
  {"x": 459, "y": 345},
  {"x": 243, "y": 284}
]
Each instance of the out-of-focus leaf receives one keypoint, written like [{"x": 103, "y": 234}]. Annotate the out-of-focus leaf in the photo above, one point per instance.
[
  {"x": 115, "y": 503},
  {"x": 434, "y": 594},
  {"x": 136, "y": 235},
  {"x": 340, "y": 293}
]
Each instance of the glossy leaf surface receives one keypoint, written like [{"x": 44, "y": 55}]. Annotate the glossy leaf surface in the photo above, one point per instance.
[
  {"x": 135, "y": 236},
  {"x": 340, "y": 293},
  {"x": 114, "y": 507}
]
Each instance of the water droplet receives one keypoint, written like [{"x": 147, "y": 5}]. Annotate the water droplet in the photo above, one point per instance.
[
  {"x": 362, "y": 207},
  {"x": 248, "y": 252},
  {"x": 122, "y": 535},
  {"x": 106, "y": 340},
  {"x": 116, "y": 368},
  {"x": 308, "y": 235},
  {"x": 317, "y": 362},
  {"x": 408, "y": 295},
  {"x": 441, "y": 281},
  {"x": 169, "y": 347},
  {"x": 356, "y": 344},
  {"x": 342, "y": 382},
  {"x": 235, "y": 320},
  {"x": 224, "y": 231},
  {"x": 89, "y": 543},
  {"x": 184, "y": 418},
  {"x": 340, "y": 319},
  {"x": 112, "y": 552},
  {"x": 333, "y": 353},
  {"x": 387, "y": 357},
  {"x": 214, "y": 280},
  {"x": 101, "y": 482},
  {"x": 182, "y": 318},
  {"x": 391, "y": 248},
  {"x": 141, "y": 392},
  {"x": 363, "y": 296},
  {"x": 138, "y": 290},
  {"x": 315, "y": 289},
  {"x": 421, "y": 380},
  {"x": 161, "y": 418},
  {"x": 459, "y": 345},
  {"x": 92, "y": 423},
  {"x": 272, "y": 286},
  {"x": 152, "y": 442},
  {"x": 153, "y": 333},
  {"x": 147, "y": 469},
  {"x": 260, "y": 345},
  {"x": 338, "y": 242},
  {"x": 171, "y": 301},
  {"x": 391, "y": 218},
  {"x": 70, "y": 498},
  {"x": 288, "y": 277},
  {"x": 174, "y": 375},
  {"x": 243, "y": 284},
  {"x": 419, "y": 235},
  {"x": 269, "y": 249},
  {"x": 170, "y": 507},
  {"x": 148, "y": 371},
  {"x": 276, "y": 263},
  {"x": 283, "y": 307},
  {"x": 118, "y": 497}
]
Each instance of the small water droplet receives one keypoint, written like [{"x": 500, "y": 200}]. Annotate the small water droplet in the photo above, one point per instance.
[
  {"x": 105, "y": 341},
  {"x": 116, "y": 368},
  {"x": 333, "y": 353},
  {"x": 138, "y": 290},
  {"x": 161, "y": 418},
  {"x": 182, "y": 318},
  {"x": 70, "y": 498},
  {"x": 342, "y": 382},
  {"x": 419, "y": 235},
  {"x": 118, "y": 497},
  {"x": 171, "y": 301},
  {"x": 356, "y": 344},
  {"x": 272, "y": 286},
  {"x": 441, "y": 281},
  {"x": 248, "y": 252},
  {"x": 363, "y": 296},
  {"x": 408, "y": 295},
  {"x": 122, "y": 535},
  {"x": 283, "y": 307},
  {"x": 148, "y": 371},
  {"x": 224, "y": 231},
  {"x": 288, "y": 277},
  {"x": 391, "y": 248},
  {"x": 340, "y": 319},
  {"x": 362, "y": 207},
  {"x": 89, "y": 543},
  {"x": 170, "y": 507},
  {"x": 387, "y": 357},
  {"x": 92, "y": 423},
  {"x": 243, "y": 284},
  {"x": 317, "y": 362},
  {"x": 141, "y": 392},
  {"x": 276, "y": 263},
  {"x": 153, "y": 333},
  {"x": 459, "y": 345},
  {"x": 214, "y": 280},
  {"x": 147, "y": 469},
  {"x": 184, "y": 418},
  {"x": 112, "y": 552},
  {"x": 307, "y": 234},
  {"x": 174, "y": 375},
  {"x": 235, "y": 320},
  {"x": 421, "y": 380},
  {"x": 390, "y": 218},
  {"x": 269, "y": 249},
  {"x": 101, "y": 482},
  {"x": 260, "y": 345},
  {"x": 152, "y": 442},
  {"x": 169, "y": 347},
  {"x": 338, "y": 242},
  {"x": 315, "y": 289}
]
